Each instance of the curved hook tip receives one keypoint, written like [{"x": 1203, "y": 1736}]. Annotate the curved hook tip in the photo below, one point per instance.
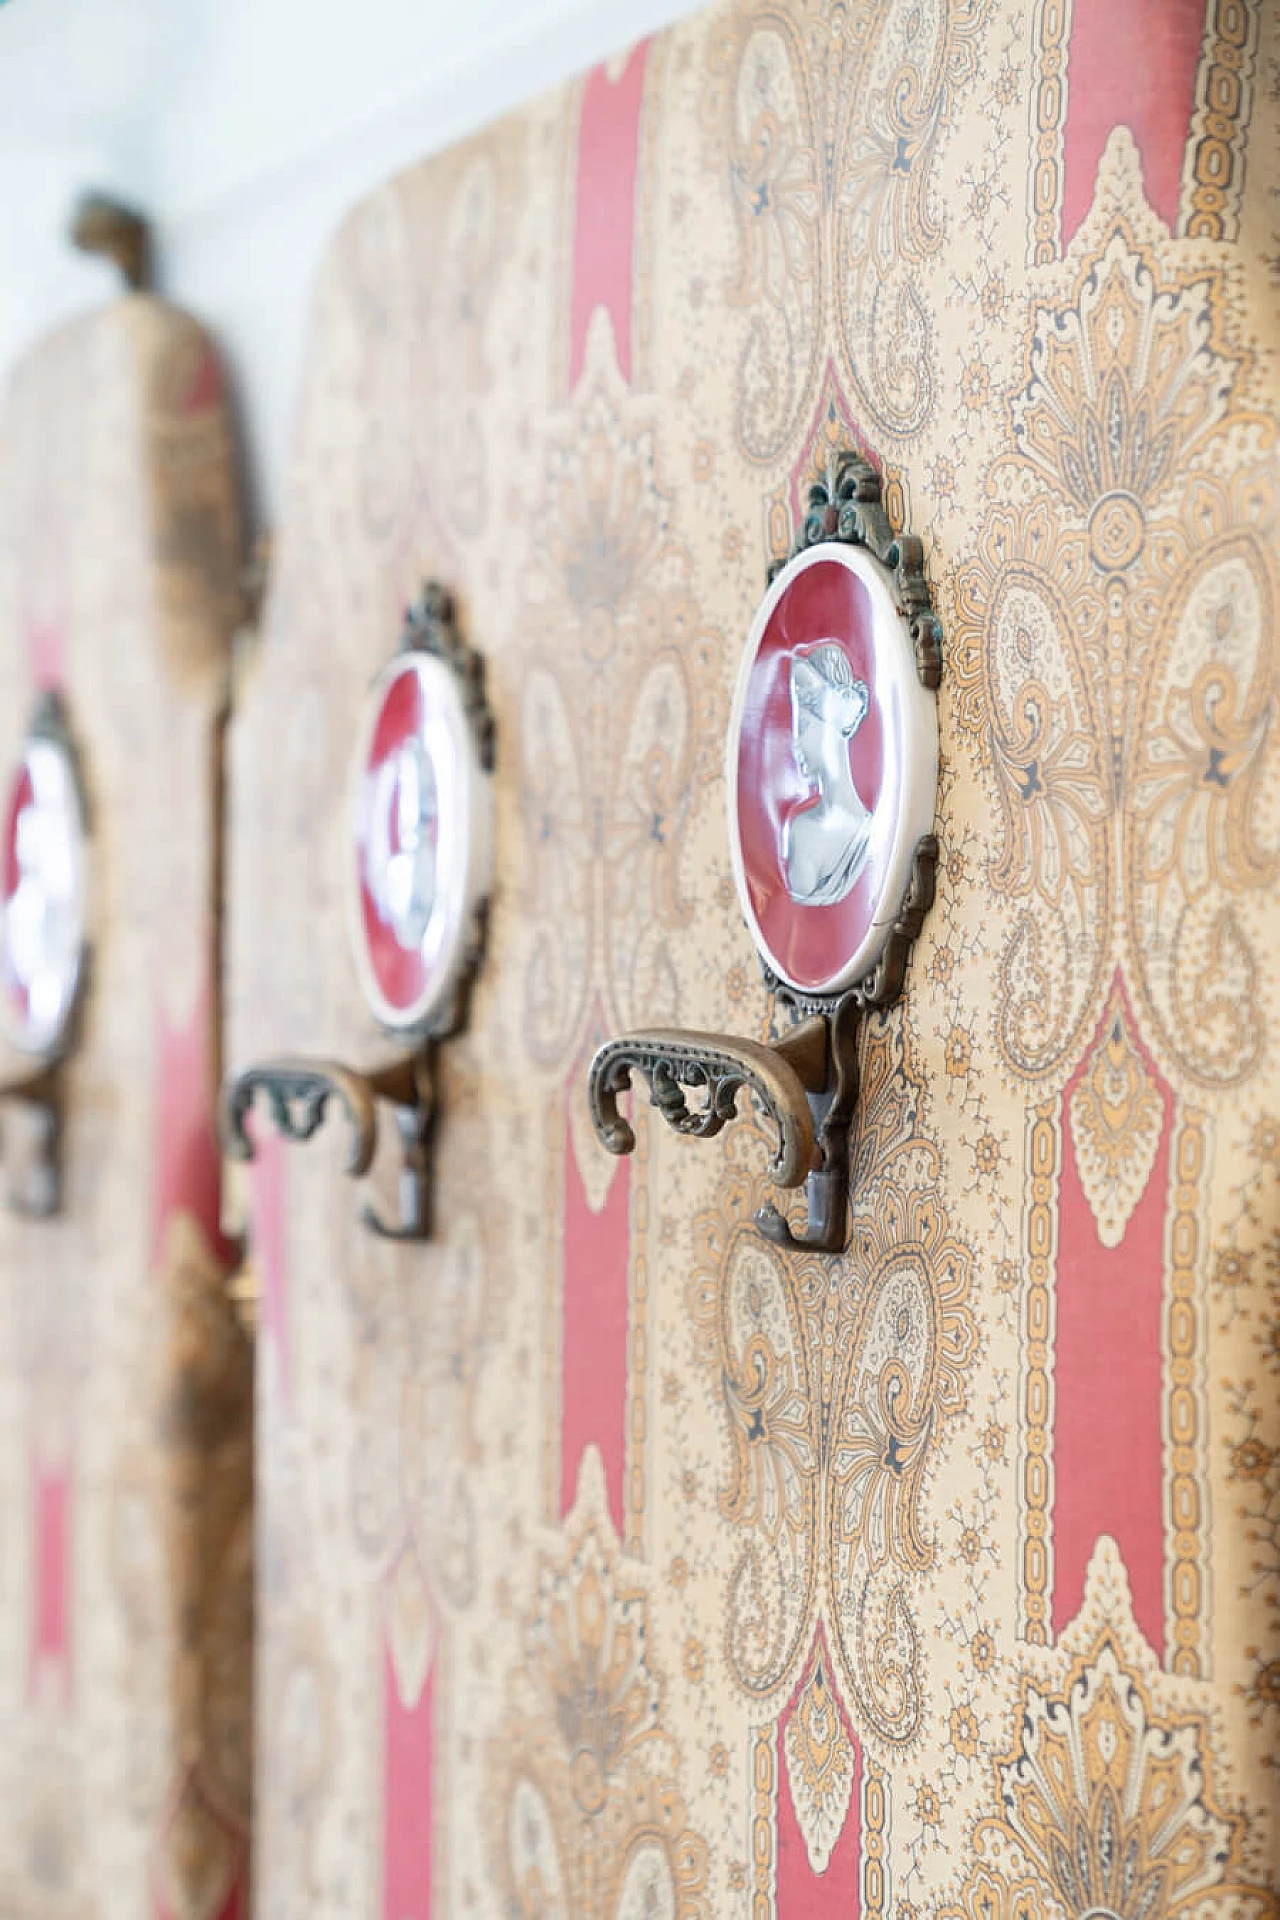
[
  {"x": 616, "y": 1135},
  {"x": 827, "y": 1236},
  {"x": 371, "y": 1219},
  {"x": 233, "y": 1111}
]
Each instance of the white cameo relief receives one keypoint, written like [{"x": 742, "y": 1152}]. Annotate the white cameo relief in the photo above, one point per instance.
[
  {"x": 42, "y": 920},
  {"x": 401, "y": 873},
  {"x": 824, "y": 847}
]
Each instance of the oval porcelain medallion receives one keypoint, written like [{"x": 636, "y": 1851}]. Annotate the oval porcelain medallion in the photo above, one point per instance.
[
  {"x": 42, "y": 905},
  {"x": 421, "y": 826},
  {"x": 832, "y": 768}
]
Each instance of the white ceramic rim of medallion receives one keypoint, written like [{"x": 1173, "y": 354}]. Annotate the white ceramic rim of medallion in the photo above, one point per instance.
[
  {"x": 900, "y": 687},
  {"x": 48, "y": 1043},
  {"x": 467, "y": 852}
]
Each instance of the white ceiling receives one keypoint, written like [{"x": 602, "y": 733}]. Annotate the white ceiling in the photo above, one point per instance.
[
  {"x": 183, "y": 101},
  {"x": 244, "y": 128}
]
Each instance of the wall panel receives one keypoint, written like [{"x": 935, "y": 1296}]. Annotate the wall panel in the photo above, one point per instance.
[
  {"x": 125, "y": 1483},
  {"x": 616, "y": 1560}
]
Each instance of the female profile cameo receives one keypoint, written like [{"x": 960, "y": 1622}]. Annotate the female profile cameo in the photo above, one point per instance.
[
  {"x": 42, "y": 903},
  {"x": 832, "y": 768},
  {"x": 420, "y": 861}
]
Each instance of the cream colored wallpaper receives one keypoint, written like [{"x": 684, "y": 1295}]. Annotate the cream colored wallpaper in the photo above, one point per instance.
[
  {"x": 614, "y": 1560},
  {"x": 125, "y": 1473}
]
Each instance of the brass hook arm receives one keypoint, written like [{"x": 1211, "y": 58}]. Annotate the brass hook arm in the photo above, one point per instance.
[
  {"x": 806, "y": 1083},
  {"x": 828, "y": 1182},
  {"x": 299, "y": 1091},
  {"x": 298, "y": 1094},
  {"x": 34, "y": 1185},
  {"x": 780, "y": 1078}
]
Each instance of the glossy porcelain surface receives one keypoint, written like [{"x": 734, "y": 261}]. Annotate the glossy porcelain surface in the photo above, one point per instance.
[
  {"x": 420, "y": 827},
  {"x": 831, "y": 768},
  {"x": 42, "y": 910}
]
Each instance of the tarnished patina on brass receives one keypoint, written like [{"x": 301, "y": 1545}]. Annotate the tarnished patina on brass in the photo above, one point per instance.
[
  {"x": 30, "y": 1136},
  {"x": 779, "y": 1079},
  {"x": 298, "y": 1094},
  {"x": 831, "y": 1105},
  {"x": 846, "y": 505},
  {"x": 806, "y": 1083},
  {"x": 431, "y": 626},
  {"x": 299, "y": 1090}
]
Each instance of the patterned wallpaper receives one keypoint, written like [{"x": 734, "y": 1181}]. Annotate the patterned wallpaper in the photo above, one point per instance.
[
  {"x": 126, "y": 1547},
  {"x": 611, "y": 1561},
  {"x": 618, "y": 1562}
]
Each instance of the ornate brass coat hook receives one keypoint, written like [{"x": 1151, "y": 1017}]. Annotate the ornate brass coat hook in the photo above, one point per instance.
[
  {"x": 43, "y": 950},
  {"x": 298, "y": 1095},
  {"x": 104, "y": 225},
  {"x": 831, "y": 769},
  {"x": 30, "y": 1134},
  {"x": 418, "y": 885}
]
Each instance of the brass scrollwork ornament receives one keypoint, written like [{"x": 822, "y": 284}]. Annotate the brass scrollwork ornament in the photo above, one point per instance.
[
  {"x": 43, "y": 950},
  {"x": 418, "y": 885},
  {"x": 831, "y": 767}
]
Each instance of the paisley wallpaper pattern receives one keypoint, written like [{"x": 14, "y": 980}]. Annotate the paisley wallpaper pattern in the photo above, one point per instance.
[
  {"x": 613, "y": 1561},
  {"x": 126, "y": 1542}
]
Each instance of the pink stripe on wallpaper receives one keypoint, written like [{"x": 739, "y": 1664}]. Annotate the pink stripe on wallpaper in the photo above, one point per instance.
[
  {"x": 1134, "y": 65},
  {"x": 1108, "y": 1457},
  {"x": 604, "y": 227}
]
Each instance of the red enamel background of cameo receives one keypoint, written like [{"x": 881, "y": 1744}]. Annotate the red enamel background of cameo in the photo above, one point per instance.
[
  {"x": 21, "y": 795},
  {"x": 816, "y": 813},
  {"x": 42, "y": 897},
  {"x": 392, "y": 824}
]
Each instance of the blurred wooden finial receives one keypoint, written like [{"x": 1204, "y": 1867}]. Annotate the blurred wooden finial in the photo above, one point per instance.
[{"x": 106, "y": 226}]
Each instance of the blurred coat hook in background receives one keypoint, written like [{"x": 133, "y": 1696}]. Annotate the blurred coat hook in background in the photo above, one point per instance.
[
  {"x": 418, "y": 887},
  {"x": 103, "y": 225}
]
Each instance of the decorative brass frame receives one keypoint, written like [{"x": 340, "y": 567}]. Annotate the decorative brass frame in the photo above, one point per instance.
[
  {"x": 805, "y": 1084},
  {"x": 35, "y": 1097},
  {"x": 299, "y": 1091}
]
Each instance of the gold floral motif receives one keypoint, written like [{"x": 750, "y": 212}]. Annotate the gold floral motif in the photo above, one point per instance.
[
  {"x": 1116, "y": 1117},
  {"x": 198, "y": 1855},
  {"x": 1044, "y": 1165},
  {"x": 832, "y": 127},
  {"x": 1109, "y": 1807},
  {"x": 298, "y": 1735},
  {"x": 182, "y": 1567},
  {"x": 1125, "y": 385},
  {"x": 855, "y": 198},
  {"x": 836, "y": 1379},
  {"x": 820, "y": 1765},
  {"x": 410, "y": 1630},
  {"x": 48, "y": 1825},
  {"x": 1114, "y": 653},
  {"x": 1213, "y": 170},
  {"x": 584, "y": 1809},
  {"x": 1111, "y": 1801},
  {"x": 618, "y": 635},
  {"x": 1109, "y": 1804},
  {"x": 1187, "y": 1585}
]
